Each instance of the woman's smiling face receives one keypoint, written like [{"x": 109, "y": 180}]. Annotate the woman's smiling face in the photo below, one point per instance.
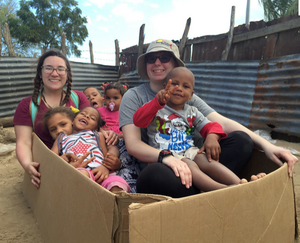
[
  {"x": 158, "y": 71},
  {"x": 54, "y": 81}
]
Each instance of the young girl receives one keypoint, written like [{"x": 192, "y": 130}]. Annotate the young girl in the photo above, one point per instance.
[
  {"x": 79, "y": 136},
  {"x": 113, "y": 93}
]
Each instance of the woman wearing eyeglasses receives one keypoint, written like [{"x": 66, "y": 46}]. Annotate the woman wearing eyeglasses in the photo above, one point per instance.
[
  {"x": 165, "y": 174},
  {"x": 53, "y": 73}
]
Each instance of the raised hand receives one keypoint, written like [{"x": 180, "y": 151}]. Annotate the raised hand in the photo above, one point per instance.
[
  {"x": 164, "y": 95},
  {"x": 77, "y": 162}
]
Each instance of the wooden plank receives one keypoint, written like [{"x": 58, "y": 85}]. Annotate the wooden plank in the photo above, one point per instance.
[
  {"x": 141, "y": 40},
  {"x": 205, "y": 39},
  {"x": 63, "y": 44},
  {"x": 184, "y": 38},
  {"x": 292, "y": 24},
  {"x": 117, "y": 52},
  {"x": 91, "y": 51},
  {"x": 7, "y": 38},
  {"x": 230, "y": 35}
]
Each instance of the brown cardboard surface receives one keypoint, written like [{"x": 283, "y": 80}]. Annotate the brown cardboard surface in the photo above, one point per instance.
[
  {"x": 69, "y": 207},
  {"x": 260, "y": 211}
]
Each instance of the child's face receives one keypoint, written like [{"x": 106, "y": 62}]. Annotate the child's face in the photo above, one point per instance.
[
  {"x": 59, "y": 123},
  {"x": 185, "y": 81},
  {"x": 94, "y": 97},
  {"x": 87, "y": 118},
  {"x": 113, "y": 96}
]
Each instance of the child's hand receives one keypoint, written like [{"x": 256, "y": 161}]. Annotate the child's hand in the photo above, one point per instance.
[
  {"x": 77, "y": 162},
  {"x": 111, "y": 138},
  {"x": 211, "y": 146},
  {"x": 111, "y": 162},
  {"x": 164, "y": 95},
  {"x": 100, "y": 173}
]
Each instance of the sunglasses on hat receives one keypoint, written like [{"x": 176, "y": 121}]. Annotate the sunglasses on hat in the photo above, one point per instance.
[{"x": 164, "y": 58}]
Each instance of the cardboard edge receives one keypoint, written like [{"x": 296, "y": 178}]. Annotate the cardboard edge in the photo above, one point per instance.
[
  {"x": 170, "y": 208},
  {"x": 51, "y": 203}
]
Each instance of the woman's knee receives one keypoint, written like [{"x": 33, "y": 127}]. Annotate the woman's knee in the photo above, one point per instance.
[{"x": 241, "y": 140}]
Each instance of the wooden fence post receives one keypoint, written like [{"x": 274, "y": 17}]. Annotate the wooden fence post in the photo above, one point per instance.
[
  {"x": 63, "y": 44},
  {"x": 230, "y": 35},
  {"x": 184, "y": 38},
  {"x": 141, "y": 40},
  {"x": 117, "y": 52},
  {"x": 91, "y": 51},
  {"x": 7, "y": 39},
  {"x": 0, "y": 40}
]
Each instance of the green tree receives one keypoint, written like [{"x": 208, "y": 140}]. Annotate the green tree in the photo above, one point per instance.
[
  {"x": 274, "y": 9},
  {"x": 42, "y": 22},
  {"x": 8, "y": 8}
]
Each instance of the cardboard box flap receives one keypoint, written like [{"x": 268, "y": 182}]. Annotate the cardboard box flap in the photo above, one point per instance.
[
  {"x": 259, "y": 211},
  {"x": 123, "y": 201},
  {"x": 68, "y": 206}
]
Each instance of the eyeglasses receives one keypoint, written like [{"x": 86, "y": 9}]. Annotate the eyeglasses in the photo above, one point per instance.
[
  {"x": 162, "y": 58},
  {"x": 50, "y": 69}
]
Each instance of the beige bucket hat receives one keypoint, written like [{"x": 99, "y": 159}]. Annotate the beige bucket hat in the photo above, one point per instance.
[{"x": 155, "y": 46}]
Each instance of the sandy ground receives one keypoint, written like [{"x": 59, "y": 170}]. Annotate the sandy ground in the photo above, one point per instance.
[{"x": 17, "y": 223}]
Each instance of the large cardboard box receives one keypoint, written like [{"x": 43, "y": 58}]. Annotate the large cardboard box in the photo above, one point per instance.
[{"x": 69, "y": 207}]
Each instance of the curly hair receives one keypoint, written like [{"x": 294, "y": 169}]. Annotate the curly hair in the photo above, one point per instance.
[
  {"x": 100, "y": 122},
  {"x": 121, "y": 87},
  {"x": 37, "y": 81},
  {"x": 58, "y": 110}
]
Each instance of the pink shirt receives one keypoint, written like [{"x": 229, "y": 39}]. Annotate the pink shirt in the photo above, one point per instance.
[
  {"x": 111, "y": 118},
  {"x": 22, "y": 116}
]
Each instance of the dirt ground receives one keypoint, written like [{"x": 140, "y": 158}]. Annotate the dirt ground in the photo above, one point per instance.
[{"x": 17, "y": 223}]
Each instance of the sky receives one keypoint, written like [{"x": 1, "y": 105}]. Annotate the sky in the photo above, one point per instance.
[{"x": 109, "y": 20}]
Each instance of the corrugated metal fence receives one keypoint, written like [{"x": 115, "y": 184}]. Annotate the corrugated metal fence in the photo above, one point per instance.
[
  {"x": 260, "y": 95},
  {"x": 16, "y": 79}
]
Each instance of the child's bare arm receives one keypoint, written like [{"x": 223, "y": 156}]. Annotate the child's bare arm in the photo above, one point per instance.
[
  {"x": 110, "y": 154},
  {"x": 212, "y": 132},
  {"x": 112, "y": 161},
  {"x": 55, "y": 147},
  {"x": 211, "y": 146},
  {"x": 100, "y": 173},
  {"x": 102, "y": 144}
]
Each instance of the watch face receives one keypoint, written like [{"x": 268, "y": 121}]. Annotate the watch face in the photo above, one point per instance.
[{"x": 165, "y": 152}]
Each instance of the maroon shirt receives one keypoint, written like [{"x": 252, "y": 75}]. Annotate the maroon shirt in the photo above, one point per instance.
[{"x": 22, "y": 116}]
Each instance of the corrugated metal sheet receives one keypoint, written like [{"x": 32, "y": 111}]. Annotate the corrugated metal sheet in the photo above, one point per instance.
[
  {"x": 16, "y": 79},
  {"x": 260, "y": 95}
]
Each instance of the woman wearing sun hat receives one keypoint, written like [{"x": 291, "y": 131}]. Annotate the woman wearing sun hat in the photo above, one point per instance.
[{"x": 172, "y": 177}]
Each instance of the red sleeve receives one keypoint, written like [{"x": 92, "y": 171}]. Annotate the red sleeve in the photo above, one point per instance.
[
  {"x": 144, "y": 115},
  {"x": 213, "y": 127}
]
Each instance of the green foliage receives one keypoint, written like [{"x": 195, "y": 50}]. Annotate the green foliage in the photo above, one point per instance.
[
  {"x": 8, "y": 9},
  {"x": 274, "y": 9},
  {"x": 42, "y": 22}
]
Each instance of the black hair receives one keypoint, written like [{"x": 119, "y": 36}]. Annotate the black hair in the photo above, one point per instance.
[
  {"x": 58, "y": 110},
  {"x": 121, "y": 87},
  {"x": 37, "y": 81},
  {"x": 100, "y": 122},
  {"x": 101, "y": 92}
]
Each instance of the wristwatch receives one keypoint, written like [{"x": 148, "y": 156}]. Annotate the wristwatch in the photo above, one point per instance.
[{"x": 163, "y": 153}]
